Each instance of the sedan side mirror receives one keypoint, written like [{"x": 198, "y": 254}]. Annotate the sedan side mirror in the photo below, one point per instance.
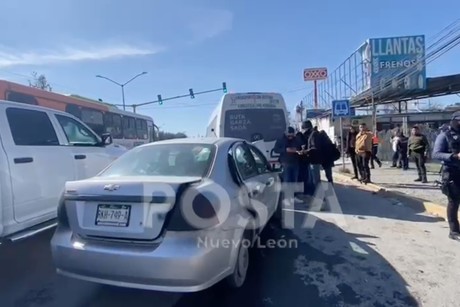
[{"x": 107, "y": 139}]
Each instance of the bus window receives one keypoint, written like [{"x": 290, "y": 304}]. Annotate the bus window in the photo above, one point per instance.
[
  {"x": 94, "y": 119},
  {"x": 141, "y": 129},
  {"x": 19, "y": 97},
  {"x": 255, "y": 124},
  {"x": 129, "y": 127},
  {"x": 113, "y": 125},
  {"x": 74, "y": 110}
]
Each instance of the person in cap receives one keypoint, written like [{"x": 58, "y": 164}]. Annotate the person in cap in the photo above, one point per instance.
[
  {"x": 288, "y": 147},
  {"x": 418, "y": 150},
  {"x": 447, "y": 150}
]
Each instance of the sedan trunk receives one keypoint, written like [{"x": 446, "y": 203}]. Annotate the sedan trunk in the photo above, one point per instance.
[{"x": 126, "y": 208}]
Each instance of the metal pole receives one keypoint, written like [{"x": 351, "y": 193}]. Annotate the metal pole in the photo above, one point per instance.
[
  {"x": 342, "y": 145},
  {"x": 123, "y": 96},
  {"x": 374, "y": 114},
  {"x": 316, "y": 94},
  {"x": 301, "y": 111}
]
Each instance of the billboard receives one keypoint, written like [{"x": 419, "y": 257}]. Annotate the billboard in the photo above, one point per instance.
[{"x": 396, "y": 63}]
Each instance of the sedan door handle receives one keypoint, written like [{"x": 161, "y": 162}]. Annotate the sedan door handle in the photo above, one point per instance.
[
  {"x": 23, "y": 160},
  {"x": 80, "y": 157},
  {"x": 270, "y": 182}
]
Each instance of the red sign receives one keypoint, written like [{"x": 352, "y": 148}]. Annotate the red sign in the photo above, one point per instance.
[{"x": 311, "y": 74}]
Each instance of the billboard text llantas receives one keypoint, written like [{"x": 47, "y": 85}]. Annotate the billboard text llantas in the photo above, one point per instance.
[{"x": 397, "y": 63}]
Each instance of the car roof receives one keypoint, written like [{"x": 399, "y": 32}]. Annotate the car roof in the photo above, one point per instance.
[
  {"x": 204, "y": 140},
  {"x": 31, "y": 107}
]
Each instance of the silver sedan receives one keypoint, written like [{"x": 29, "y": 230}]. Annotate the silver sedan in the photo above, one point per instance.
[{"x": 177, "y": 215}]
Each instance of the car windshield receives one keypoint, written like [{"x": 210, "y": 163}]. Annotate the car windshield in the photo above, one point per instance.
[
  {"x": 255, "y": 124},
  {"x": 163, "y": 160}
]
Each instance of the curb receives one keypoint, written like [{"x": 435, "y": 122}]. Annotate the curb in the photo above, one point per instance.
[{"x": 418, "y": 204}]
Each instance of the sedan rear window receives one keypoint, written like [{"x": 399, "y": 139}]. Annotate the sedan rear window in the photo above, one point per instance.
[{"x": 163, "y": 160}]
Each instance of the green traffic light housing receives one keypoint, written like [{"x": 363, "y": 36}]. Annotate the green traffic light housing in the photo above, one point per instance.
[
  {"x": 160, "y": 100},
  {"x": 224, "y": 87},
  {"x": 192, "y": 95}
]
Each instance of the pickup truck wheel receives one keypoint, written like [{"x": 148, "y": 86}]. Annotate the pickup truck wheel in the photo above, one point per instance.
[{"x": 238, "y": 277}]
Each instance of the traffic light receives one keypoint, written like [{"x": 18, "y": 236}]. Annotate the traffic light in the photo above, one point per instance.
[
  {"x": 192, "y": 95},
  {"x": 224, "y": 87},
  {"x": 160, "y": 100}
]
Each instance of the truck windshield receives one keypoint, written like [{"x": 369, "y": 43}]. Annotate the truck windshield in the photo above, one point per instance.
[{"x": 255, "y": 124}]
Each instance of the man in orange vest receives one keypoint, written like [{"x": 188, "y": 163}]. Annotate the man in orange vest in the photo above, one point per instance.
[{"x": 375, "y": 149}]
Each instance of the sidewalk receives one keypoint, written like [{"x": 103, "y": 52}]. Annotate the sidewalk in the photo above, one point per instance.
[{"x": 397, "y": 180}]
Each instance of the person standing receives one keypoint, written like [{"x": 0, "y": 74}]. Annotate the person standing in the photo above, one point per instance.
[
  {"x": 394, "y": 145},
  {"x": 418, "y": 149},
  {"x": 304, "y": 167},
  {"x": 288, "y": 147},
  {"x": 351, "y": 143},
  {"x": 375, "y": 149},
  {"x": 327, "y": 150},
  {"x": 402, "y": 147},
  {"x": 447, "y": 150},
  {"x": 363, "y": 150}
]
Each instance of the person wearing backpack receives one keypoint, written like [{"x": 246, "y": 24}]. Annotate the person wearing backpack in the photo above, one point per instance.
[{"x": 329, "y": 154}]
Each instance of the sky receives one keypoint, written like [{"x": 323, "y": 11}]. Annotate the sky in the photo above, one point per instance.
[{"x": 251, "y": 45}]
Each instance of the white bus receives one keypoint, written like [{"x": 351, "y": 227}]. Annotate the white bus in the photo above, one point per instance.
[{"x": 255, "y": 117}]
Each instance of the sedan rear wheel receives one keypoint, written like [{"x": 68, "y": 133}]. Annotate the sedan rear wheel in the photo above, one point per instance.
[{"x": 238, "y": 277}]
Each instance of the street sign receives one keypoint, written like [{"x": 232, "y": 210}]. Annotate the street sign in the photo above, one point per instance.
[
  {"x": 312, "y": 74},
  {"x": 341, "y": 108}
]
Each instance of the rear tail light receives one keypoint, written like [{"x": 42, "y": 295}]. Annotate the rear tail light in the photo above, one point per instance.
[{"x": 196, "y": 214}]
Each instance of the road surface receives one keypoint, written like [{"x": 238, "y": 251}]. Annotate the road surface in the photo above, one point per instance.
[{"x": 375, "y": 254}]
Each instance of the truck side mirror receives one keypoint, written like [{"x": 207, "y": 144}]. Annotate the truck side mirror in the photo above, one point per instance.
[{"x": 107, "y": 139}]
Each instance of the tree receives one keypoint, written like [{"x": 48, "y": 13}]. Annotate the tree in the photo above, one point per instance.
[
  {"x": 40, "y": 81},
  {"x": 162, "y": 135}
]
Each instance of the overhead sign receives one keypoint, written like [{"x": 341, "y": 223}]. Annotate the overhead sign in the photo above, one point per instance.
[
  {"x": 396, "y": 63},
  {"x": 340, "y": 108},
  {"x": 312, "y": 74}
]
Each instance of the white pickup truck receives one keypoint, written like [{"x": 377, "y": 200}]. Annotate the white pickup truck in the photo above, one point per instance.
[{"x": 41, "y": 149}]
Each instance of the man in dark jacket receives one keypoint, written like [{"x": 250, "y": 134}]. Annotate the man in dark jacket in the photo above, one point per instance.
[
  {"x": 418, "y": 149},
  {"x": 304, "y": 167},
  {"x": 288, "y": 147},
  {"x": 447, "y": 150},
  {"x": 351, "y": 142}
]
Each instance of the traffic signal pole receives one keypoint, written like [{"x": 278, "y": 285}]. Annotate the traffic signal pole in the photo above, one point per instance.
[{"x": 190, "y": 94}]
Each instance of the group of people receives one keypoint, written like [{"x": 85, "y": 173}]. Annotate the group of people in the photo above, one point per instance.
[
  {"x": 416, "y": 146},
  {"x": 302, "y": 154},
  {"x": 362, "y": 148}
]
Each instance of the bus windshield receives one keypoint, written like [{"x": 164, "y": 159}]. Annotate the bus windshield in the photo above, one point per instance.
[{"x": 255, "y": 124}]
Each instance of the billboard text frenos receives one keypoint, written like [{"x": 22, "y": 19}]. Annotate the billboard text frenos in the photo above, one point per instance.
[{"x": 397, "y": 63}]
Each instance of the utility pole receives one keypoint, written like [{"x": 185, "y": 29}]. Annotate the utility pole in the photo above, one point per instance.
[{"x": 122, "y": 85}]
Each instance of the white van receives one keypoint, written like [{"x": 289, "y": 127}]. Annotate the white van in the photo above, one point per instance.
[
  {"x": 41, "y": 149},
  {"x": 261, "y": 118}
]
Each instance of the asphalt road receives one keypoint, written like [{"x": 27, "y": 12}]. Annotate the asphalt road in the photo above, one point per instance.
[{"x": 378, "y": 253}]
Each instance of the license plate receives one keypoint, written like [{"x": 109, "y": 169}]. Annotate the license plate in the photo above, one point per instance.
[{"x": 113, "y": 215}]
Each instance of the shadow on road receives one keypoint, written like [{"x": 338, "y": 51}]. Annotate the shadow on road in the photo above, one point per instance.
[
  {"x": 399, "y": 206},
  {"x": 328, "y": 267}
]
